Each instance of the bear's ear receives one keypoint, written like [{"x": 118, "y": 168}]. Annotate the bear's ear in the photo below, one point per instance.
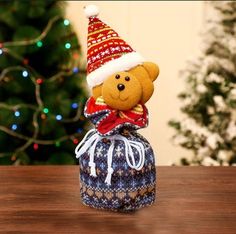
[
  {"x": 152, "y": 69},
  {"x": 97, "y": 91}
]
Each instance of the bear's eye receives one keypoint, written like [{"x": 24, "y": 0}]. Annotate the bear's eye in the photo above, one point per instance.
[
  {"x": 127, "y": 78},
  {"x": 117, "y": 76}
]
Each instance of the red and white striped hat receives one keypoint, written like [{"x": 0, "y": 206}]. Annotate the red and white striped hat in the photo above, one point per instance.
[{"x": 107, "y": 53}]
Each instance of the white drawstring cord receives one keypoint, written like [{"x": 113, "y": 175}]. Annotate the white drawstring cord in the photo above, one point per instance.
[
  {"x": 139, "y": 147},
  {"x": 109, "y": 162},
  {"x": 129, "y": 151},
  {"x": 84, "y": 145},
  {"x": 91, "y": 158},
  {"x": 91, "y": 143},
  {"x": 79, "y": 150}
]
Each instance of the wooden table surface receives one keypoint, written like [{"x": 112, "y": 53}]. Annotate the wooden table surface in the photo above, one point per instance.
[{"x": 46, "y": 199}]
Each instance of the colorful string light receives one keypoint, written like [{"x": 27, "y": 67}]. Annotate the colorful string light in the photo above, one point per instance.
[
  {"x": 25, "y": 61},
  {"x": 75, "y": 55},
  {"x": 75, "y": 141},
  {"x": 79, "y": 130},
  {"x": 39, "y": 81},
  {"x": 66, "y": 22},
  {"x": 67, "y": 45},
  {"x": 39, "y": 44},
  {"x": 46, "y": 110},
  {"x": 74, "y": 105},
  {"x": 43, "y": 116},
  {"x": 25, "y": 73},
  {"x": 17, "y": 113},
  {"x": 33, "y": 74},
  {"x": 13, "y": 127},
  {"x": 58, "y": 117},
  {"x": 75, "y": 70},
  {"x": 35, "y": 146}
]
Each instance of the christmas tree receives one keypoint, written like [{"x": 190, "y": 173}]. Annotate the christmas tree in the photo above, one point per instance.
[
  {"x": 209, "y": 101},
  {"x": 41, "y": 84}
]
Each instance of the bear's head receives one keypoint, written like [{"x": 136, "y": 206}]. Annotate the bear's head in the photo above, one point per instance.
[{"x": 125, "y": 89}]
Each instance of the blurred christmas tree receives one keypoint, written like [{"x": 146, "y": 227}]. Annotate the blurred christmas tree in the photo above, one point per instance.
[
  {"x": 41, "y": 86},
  {"x": 209, "y": 102}
]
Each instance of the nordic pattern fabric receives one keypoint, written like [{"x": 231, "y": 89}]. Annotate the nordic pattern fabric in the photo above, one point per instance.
[{"x": 130, "y": 189}]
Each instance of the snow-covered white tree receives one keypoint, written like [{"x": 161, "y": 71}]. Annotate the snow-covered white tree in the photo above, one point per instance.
[{"x": 209, "y": 101}]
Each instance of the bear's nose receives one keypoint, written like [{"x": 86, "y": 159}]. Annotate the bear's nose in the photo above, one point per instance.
[{"x": 120, "y": 87}]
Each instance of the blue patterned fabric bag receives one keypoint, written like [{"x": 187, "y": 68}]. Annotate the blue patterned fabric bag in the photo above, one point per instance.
[{"x": 117, "y": 169}]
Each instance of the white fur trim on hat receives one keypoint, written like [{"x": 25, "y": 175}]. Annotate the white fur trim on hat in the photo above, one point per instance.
[
  {"x": 123, "y": 63},
  {"x": 91, "y": 11}
]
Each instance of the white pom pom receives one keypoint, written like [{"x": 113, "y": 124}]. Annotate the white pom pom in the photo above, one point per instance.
[{"x": 91, "y": 11}]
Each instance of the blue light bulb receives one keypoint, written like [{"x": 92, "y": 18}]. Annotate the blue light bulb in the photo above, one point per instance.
[
  {"x": 75, "y": 69},
  {"x": 74, "y": 105},
  {"x": 79, "y": 130},
  {"x": 25, "y": 73},
  {"x": 17, "y": 113},
  {"x": 13, "y": 127},
  {"x": 58, "y": 117}
]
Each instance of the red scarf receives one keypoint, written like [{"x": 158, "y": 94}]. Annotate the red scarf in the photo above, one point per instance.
[{"x": 136, "y": 117}]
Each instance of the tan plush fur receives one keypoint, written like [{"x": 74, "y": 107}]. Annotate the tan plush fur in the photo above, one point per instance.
[{"x": 122, "y": 93}]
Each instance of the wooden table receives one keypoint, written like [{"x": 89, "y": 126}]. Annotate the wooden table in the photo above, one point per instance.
[{"x": 46, "y": 199}]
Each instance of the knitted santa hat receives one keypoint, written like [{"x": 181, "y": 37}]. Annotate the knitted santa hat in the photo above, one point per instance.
[{"x": 107, "y": 52}]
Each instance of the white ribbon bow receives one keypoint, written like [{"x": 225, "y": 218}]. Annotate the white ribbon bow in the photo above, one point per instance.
[{"x": 89, "y": 144}]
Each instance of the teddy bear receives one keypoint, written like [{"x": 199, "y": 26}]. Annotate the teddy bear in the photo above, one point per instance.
[
  {"x": 125, "y": 89},
  {"x": 117, "y": 164}
]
